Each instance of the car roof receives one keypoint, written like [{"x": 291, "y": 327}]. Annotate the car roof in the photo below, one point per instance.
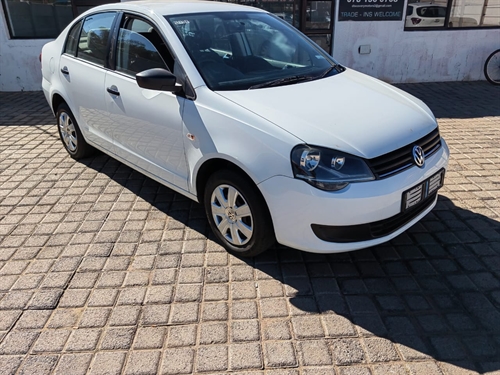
[{"x": 167, "y": 7}]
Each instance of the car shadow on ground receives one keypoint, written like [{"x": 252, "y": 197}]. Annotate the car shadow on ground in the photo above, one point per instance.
[
  {"x": 434, "y": 291},
  {"x": 457, "y": 99}
]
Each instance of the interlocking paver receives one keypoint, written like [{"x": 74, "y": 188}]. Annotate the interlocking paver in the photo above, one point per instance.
[{"x": 104, "y": 271}]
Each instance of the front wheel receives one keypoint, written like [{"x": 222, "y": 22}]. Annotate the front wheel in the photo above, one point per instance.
[
  {"x": 238, "y": 214},
  {"x": 492, "y": 68}
]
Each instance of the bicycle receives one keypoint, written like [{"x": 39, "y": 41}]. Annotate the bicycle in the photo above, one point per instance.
[{"x": 492, "y": 68}]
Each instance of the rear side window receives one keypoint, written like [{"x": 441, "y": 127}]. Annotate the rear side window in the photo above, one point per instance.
[
  {"x": 72, "y": 41},
  {"x": 93, "y": 42}
]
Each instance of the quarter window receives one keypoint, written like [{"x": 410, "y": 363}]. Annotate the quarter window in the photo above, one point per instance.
[
  {"x": 72, "y": 41},
  {"x": 93, "y": 42}
]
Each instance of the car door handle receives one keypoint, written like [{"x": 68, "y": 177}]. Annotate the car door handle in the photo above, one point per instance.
[
  {"x": 113, "y": 90},
  {"x": 64, "y": 70}
]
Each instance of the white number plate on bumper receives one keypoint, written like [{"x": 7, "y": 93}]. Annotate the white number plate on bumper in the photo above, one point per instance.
[{"x": 422, "y": 191}]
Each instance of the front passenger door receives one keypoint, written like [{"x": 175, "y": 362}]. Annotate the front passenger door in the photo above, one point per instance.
[{"x": 146, "y": 124}]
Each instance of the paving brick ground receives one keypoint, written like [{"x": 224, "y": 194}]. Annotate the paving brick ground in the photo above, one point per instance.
[{"x": 103, "y": 271}]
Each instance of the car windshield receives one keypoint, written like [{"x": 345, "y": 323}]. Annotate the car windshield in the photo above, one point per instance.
[{"x": 249, "y": 50}]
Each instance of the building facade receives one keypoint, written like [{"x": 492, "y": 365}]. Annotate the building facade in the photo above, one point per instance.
[{"x": 393, "y": 40}]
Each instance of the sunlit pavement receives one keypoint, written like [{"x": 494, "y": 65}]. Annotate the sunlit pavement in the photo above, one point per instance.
[{"x": 104, "y": 271}]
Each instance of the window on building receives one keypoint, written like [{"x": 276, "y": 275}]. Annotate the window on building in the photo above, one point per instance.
[
  {"x": 451, "y": 14},
  {"x": 43, "y": 19}
]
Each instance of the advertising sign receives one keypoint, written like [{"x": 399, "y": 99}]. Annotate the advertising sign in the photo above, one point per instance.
[{"x": 371, "y": 10}]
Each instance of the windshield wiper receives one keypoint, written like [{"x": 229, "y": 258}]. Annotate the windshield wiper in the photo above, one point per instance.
[
  {"x": 325, "y": 73},
  {"x": 282, "y": 81}
]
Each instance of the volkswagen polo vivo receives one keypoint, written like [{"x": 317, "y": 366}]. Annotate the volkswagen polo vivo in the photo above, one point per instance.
[{"x": 236, "y": 109}]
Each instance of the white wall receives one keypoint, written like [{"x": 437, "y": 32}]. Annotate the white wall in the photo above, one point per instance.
[
  {"x": 396, "y": 55},
  {"x": 413, "y": 56},
  {"x": 19, "y": 64}
]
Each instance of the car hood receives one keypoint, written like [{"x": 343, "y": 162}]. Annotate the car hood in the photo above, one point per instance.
[{"x": 350, "y": 112}]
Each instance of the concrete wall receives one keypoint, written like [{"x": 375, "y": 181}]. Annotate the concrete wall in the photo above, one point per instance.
[
  {"x": 396, "y": 55},
  {"x": 19, "y": 64},
  {"x": 413, "y": 56}
]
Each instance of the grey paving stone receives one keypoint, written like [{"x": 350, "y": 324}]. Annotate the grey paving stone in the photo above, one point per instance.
[
  {"x": 18, "y": 342},
  {"x": 279, "y": 354},
  {"x": 62, "y": 318},
  {"x": 94, "y": 317},
  {"x": 380, "y": 350},
  {"x": 51, "y": 341},
  {"x": 159, "y": 294},
  {"x": 183, "y": 335},
  {"x": 108, "y": 363},
  {"x": 9, "y": 364},
  {"x": 115, "y": 338},
  {"x": 273, "y": 307},
  {"x": 183, "y": 313},
  {"x": 245, "y": 356},
  {"x": 347, "y": 351},
  {"x": 8, "y": 318},
  {"x": 28, "y": 282},
  {"x": 307, "y": 327},
  {"x": 45, "y": 299},
  {"x": 155, "y": 314},
  {"x": 150, "y": 338},
  {"x": 102, "y": 297},
  {"x": 212, "y": 358},
  {"x": 142, "y": 362},
  {"x": 75, "y": 364},
  {"x": 74, "y": 298},
  {"x": 314, "y": 353},
  {"x": 16, "y": 300},
  {"x": 124, "y": 315},
  {"x": 245, "y": 330},
  {"x": 214, "y": 311},
  {"x": 84, "y": 339},
  {"x": 132, "y": 296},
  {"x": 177, "y": 361},
  {"x": 244, "y": 310},
  {"x": 38, "y": 364}
]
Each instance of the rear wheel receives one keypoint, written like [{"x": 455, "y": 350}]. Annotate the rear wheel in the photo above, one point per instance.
[
  {"x": 70, "y": 134},
  {"x": 238, "y": 214},
  {"x": 492, "y": 68}
]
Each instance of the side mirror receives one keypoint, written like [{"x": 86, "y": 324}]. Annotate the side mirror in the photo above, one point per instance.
[{"x": 158, "y": 79}]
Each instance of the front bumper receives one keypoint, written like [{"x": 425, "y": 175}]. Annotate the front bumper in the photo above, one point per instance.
[{"x": 295, "y": 206}]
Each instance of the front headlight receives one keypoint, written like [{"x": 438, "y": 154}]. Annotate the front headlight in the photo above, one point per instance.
[{"x": 328, "y": 169}]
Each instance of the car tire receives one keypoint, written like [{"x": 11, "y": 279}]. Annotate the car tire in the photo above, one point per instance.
[
  {"x": 238, "y": 214},
  {"x": 70, "y": 134}
]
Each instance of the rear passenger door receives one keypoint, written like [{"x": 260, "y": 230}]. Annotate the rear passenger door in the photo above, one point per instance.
[
  {"x": 146, "y": 125},
  {"x": 82, "y": 70}
]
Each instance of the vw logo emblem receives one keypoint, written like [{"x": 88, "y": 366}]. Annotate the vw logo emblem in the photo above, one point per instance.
[{"x": 418, "y": 156}]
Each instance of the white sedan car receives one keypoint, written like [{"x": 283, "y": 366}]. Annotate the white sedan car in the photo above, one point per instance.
[{"x": 234, "y": 108}]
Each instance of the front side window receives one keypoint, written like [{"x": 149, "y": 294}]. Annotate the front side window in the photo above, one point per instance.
[
  {"x": 449, "y": 14},
  {"x": 136, "y": 50},
  {"x": 94, "y": 37},
  {"x": 242, "y": 50}
]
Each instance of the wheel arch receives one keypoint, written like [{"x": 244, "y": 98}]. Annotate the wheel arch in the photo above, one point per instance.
[
  {"x": 210, "y": 166},
  {"x": 57, "y": 100}
]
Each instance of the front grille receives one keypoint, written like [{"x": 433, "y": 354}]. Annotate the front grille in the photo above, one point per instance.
[
  {"x": 401, "y": 159},
  {"x": 370, "y": 231}
]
